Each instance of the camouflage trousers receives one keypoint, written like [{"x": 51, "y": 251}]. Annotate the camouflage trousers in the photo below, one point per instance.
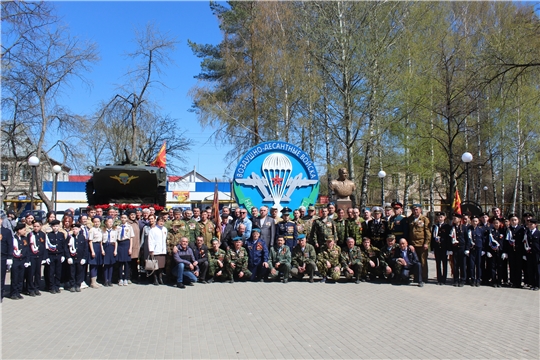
[
  {"x": 213, "y": 268},
  {"x": 234, "y": 273},
  {"x": 282, "y": 268},
  {"x": 326, "y": 272},
  {"x": 357, "y": 268},
  {"x": 379, "y": 270}
]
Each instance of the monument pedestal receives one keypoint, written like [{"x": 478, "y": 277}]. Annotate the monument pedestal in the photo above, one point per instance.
[{"x": 343, "y": 204}]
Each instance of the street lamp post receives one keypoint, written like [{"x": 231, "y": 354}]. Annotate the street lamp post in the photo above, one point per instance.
[
  {"x": 467, "y": 158},
  {"x": 33, "y": 161},
  {"x": 56, "y": 169},
  {"x": 485, "y": 198},
  {"x": 382, "y": 175}
]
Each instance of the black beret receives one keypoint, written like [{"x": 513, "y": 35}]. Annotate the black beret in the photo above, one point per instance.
[
  {"x": 55, "y": 222},
  {"x": 19, "y": 226}
]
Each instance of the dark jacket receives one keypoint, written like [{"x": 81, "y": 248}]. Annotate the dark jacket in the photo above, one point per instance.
[
  {"x": 201, "y": 255},
  {"x": 81, "y": 247},
  {"x": 6, "y": 244},
  {"x": 412, "y": 258}
]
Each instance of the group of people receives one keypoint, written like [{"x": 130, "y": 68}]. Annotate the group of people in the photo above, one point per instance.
[{"x": 190, "y": 246}]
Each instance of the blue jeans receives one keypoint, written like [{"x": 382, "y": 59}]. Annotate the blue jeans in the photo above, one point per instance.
[{"x": 180, "y": 273}]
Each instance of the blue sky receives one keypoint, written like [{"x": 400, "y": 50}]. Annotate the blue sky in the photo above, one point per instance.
[{"x": 111, "y": 26}]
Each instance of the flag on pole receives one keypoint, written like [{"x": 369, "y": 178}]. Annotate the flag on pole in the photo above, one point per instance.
[
  {"x": 456, "y": 205},
  {"x": 161, "y": 158},
  {"x": 215, "y": 211}
]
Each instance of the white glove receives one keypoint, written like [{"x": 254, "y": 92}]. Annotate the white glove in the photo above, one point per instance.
[
  {"x": 43, "y": 262},
  {"x": 504, "y": 256},
  {"x": 48, "y": 261},
  {"x": 489, "y": 255},
  {"x": 27, "y": 264},
  {"x": 466, "y": 252},
  {"x": 70, "y": 261},
  {"x": 524, "y": 258},
  {"x": 483, "y": 253},
  {"x": 9, "y": 262},
  {"x": 83, "y": 261},
  {"x": 448, "y": 253},
  {"x": 62, "y": 259}
]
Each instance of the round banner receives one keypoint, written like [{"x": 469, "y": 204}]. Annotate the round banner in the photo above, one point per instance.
[{"x": 276, "y": 174}]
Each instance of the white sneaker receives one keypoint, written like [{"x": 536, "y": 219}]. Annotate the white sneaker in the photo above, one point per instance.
[
  {"x": 120, "y": 283},
  {"x": 125, "y": 283},
  {"x": 83, "y": 285}
]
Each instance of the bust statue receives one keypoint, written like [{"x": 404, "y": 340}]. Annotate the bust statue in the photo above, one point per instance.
[{"x": 342, "y": 186}]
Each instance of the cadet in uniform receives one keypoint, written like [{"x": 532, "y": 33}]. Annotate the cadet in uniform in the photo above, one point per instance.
[
  {"x": 303, "y": 259},
  {"x": 125, "y": 242},
  {"x": 20, "y": 261},
  {"x": 77, "y": 254},
  {"x": 280, "y": 260},
  {"x": 351, "y": 260},
  {"x": 478, "y": 243},
  {"x": 459, "y": 239},
  {"x": 328, "y": 260},
  {"x": 95, "y": 240},
  {"x": 441, "y": 243},
  {"x": 287, "y": 229},
  {"x": 377, "y": 228},
  {"x": 494, "y": 250},
  {"x": 110, "y": 247},
  {"x": 258, "y": 255},
  {"x": 322, "y": 229},
  {"x": 238, "y": 262},
  {"x": 6, "y": 258},
  {"x": 420, "y": 236},
  {"x": 533, "y": 259},
  {"x": 398, "y": 223},
  {"x": 55, "y": 245},
  {"x": 514, "y": 236},
  {"x": 217, "y": 262},
  {"x": 36, "y": 255},
  {"x": 374, "y": 264}
]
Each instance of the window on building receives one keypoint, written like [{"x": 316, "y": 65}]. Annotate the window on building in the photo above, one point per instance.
[
  {"x": 4, "y": 172},
  {"x": 26, "y": 173}
]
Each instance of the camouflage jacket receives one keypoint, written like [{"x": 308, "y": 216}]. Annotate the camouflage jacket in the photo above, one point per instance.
[
  {"x": 299, "y": 257},
  {"x": 192, "y": 229},
  {"x": 321, "y": 229},
  {"x": 333, "y": 255},
  {"x": 207, "y": 230},
  {"x": 341, "y": 231},
  {"x": 214, "y": 256},
  {"x": 240, "y": 259},
  {"x": 354, "y": 230},
  {"x": 282, "y": 256},
  {"x": 351, "y": 257},
  {"x": 173, "y": 239},
  {"x": 373, "y": 254},
  {"x": 388, "y": 254}
]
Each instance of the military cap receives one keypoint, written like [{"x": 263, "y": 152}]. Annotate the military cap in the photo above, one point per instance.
[
  {"x": 396, "y": 204},
  {"x": 111, "y": 208},
  {"x": 311, "y": 208},
  {"x": 130, "y": 211},
  {"x": 440, "y": 213},
  {"x": 330, "y": 204},
  {"x": 532, "y": 221},
  {"x": 214, "y": 239},
  {"x": 457, "y": 215},
  {"x": 367, "y": 209},
  {"x": 286, "y": 211},
  {"x": 237, "y": 238},
  {"x": 414, "y": 206},
  {"x": 388, "y": 207},
  {"x": 109, "y": 217},
  {"x": 512, "y": 215},
  {"x": 474, "y": 217},
  {"x": 484, "y": 214},
  {"x": 176, "y": 223},
  {"x": 256, "y": 230},
  {"x": 37, "y": 222},
  {"x": 31, "y": 214},
  {"x": 377, "y": 209},
  {"x": 525, "y": 214},
  {"x": 330, "y": 238},
  {"x": 223, "y": 215},
  {"x": 77, "y": 225},
  {"x": 20, "y": 226},
  {"x": 273, "y": 208},
  {"x": 301, "y": 236},
  {"x": 55, "y": 222},
  {"x": 391, "y": 236}
]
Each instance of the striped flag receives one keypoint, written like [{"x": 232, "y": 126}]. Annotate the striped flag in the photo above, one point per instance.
[
  {"x": 161, "y": 158},
  {"x": 456, "y": 205}
]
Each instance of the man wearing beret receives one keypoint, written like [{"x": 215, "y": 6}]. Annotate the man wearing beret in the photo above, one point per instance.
[
  {"x": 217, "y": 262},
  {"x": 280, "y": 260},
  {"x": 258, "y": 255},
  {"x": 420, "y": 236},
  {"x": 238, "y": 261},
  {"x": 329, "y": 260},
  {"x": 303, "y": 259}
]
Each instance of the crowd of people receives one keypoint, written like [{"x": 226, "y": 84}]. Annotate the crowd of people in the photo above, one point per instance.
[{"x": 183, "y": 247}]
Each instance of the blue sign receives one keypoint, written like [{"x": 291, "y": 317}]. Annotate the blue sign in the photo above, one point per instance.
[{"x": 276, "y": 174}]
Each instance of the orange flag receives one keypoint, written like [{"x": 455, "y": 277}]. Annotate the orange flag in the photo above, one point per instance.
[
  {"x": 215, "y": 208},
  {"x": 456, "y": 205},
  {"x": 161, "y": 158}
]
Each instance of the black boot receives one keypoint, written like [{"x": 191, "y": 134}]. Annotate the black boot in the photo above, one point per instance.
[
  {"x": 155, "y": 279},
  {"x": 160, "y": 278}
]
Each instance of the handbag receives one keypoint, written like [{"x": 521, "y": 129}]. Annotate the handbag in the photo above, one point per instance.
[{"x": 151, "y": 264}]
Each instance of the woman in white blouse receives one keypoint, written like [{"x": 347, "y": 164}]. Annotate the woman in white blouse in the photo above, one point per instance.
[
  {"x": 157, "y": 246},
  {"x": 95, "y": 237}
]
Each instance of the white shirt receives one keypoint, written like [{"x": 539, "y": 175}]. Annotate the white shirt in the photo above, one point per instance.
[
  {"x": 157, "y": 240},
  {"x": 95, "y": 234}
]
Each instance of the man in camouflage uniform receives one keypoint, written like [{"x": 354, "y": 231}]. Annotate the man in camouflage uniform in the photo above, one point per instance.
[
  {"x": 207, "y": 228},
  {"x": 377, "y": 228},
  {"x": 353, "y": 226},
  {"x": 420, "y": 236},
  {"x": 217, "y": 263},
  {"x": 352, "y": 261},
  {"x": 287, "y": 229},
  {"x": 300, "y": 227},
  {"x": 387, "y": 253},
  {"x": 176, "y": 215},
  {"x": 329, "y": 260},
  {"x": 398, "y": 223},
  {"x": 309, "y": 220},
  {"x": 173, "y": 239},
  {"x": 279, "y": 260},
  {"x": 341, "y": 228},
  {"x": 323, "y": 228},
  {"x": 374, "y": 265},
  {"x": 303, "y": 259},
  {"x": 192, "y": 226},
  {"x": 238, "y": 262}
]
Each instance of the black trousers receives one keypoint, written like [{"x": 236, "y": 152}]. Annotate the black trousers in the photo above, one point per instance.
[
  {"x": 496, "y": 267},
  {"x": 3, "y": 267},
  {"x": 55, "y": 272},
  {"x": 77, "y": 273},
  {"x": 17, "y": 276},
  {"x": 203, "y": 270},
  {"x": 459, "y": 258},
  {"x": 441, "y": 263},
  {"x": 33, "y": 274},
  {"x": 416, "y": 269}
]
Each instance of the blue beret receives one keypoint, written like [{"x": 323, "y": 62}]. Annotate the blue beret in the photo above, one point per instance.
[
  {"x": 256, "y": 230},
  {"x": 301, "y": 236},
  {"x": 237, "y": 238}
]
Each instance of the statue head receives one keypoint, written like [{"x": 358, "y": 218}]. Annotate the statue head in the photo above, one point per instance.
[{"x": 343, "y": 174}]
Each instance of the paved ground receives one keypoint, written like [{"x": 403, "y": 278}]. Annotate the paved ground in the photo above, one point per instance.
[{"x": 274, "y": 321}]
